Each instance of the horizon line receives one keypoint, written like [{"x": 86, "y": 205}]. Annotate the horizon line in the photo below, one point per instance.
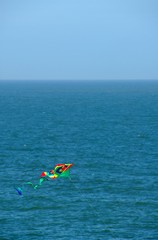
[{"x": 74, "y": 80}]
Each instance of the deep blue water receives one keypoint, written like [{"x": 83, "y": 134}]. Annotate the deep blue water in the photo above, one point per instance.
[{"x": 108, "y": 130}]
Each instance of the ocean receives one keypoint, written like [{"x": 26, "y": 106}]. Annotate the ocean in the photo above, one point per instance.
[{"x": 108, "y": 130}]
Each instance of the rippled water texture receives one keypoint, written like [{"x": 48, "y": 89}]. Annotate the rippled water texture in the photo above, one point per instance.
[{"x": 109, "y": 131}]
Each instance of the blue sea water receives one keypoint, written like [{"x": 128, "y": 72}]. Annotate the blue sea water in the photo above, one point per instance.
[{"x": 108, "y": 130}]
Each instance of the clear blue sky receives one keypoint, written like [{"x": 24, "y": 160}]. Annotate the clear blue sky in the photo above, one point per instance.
[{"x": 78, "y": 39}]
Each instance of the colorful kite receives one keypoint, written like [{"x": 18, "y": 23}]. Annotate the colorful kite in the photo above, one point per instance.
[{"x": 60, "y": 170}]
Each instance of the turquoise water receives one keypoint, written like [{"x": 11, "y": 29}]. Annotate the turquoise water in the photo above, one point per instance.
[{"x": 108, "y": 130}]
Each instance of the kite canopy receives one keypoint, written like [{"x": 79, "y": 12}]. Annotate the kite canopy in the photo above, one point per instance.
[{"x": 60, "y": 170}]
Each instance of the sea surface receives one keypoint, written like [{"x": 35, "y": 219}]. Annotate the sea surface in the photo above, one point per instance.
[{"x": 108, "y": 130}]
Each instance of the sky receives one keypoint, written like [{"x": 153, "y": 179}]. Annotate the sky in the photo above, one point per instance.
[{"x": 78, "y": 39}]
